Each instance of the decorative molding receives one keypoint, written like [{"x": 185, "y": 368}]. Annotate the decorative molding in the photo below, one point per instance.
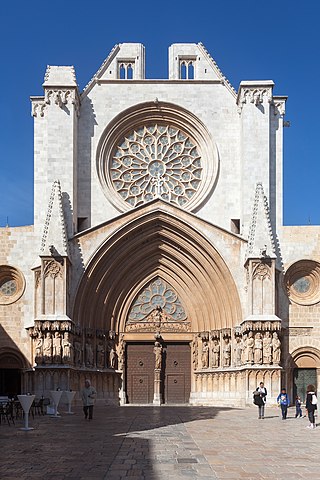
[
  {"x": 279, "y": 107},
  {"x": 104, "y": 64},
  {"x": 38, "y": 107},
  {"x": 255, "y": 95},
  {"x": 215, "y": 66},
  {"x": 252, "y": 247},
  {"x": 62, "y": 97},
  {"x": 55, "y": 192},
  {"x": 261, "y": 271}
]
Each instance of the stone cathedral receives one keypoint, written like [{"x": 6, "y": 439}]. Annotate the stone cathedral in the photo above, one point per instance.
[{"x": 158, "y": 265}]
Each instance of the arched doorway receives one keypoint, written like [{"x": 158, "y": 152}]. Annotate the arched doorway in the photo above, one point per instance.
[
  {"x": 305, "y": 371},
  {"x": 10, "y": 374},
  {"x": 158, "y": 250}
]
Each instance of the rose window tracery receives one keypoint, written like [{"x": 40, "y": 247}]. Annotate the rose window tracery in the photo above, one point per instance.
[
  {"x": 157, "y": 295},
  {"x": 156, "y": 161}
]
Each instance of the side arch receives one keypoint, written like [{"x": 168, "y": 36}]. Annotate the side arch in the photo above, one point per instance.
[
  {"x": 304, "y": 357},
  {"x": 157, "y": 244}
]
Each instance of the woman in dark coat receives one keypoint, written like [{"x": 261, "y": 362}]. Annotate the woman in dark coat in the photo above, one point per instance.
[
  {"x": 311, "y": 405},
  {"x": 259, "y": 399}
]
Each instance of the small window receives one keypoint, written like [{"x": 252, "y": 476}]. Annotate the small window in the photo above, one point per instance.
[
  {"x": 190, "y": 71},
  {"x": 130, "y": 72},
  {"x": 187, "y": 69},
  {"x": 122, "y": 72},
  {"x": 183, "y": 71}
]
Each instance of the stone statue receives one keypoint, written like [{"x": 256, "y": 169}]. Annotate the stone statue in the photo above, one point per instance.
[
  {"x": 205, "y": 355},
  {"x": 89, "y": 354},
  {"x": 258, "y": 349},
  {"x": 158, "y": 355},
  {"x": 226, "y": 353},
  {"x": 215, "y": 354},
  {"x": 276, "y": 348},
  {"x": 121, "y": 349},
  {"x": 57, "y": 347},
  {"x": 195, "y": 352},
  {"x": 47, "y": 348},
  {"x": 100, "y": 355},
  {"x": 250, "y": 345},
  {"x": 238, "y": 352},
  {"x": 77, "y": 353},
  {"x": 113, "y": 358},
  {"x": 67, "y": 348},
  {"x": 38, "y": 349},
  {"x": 267, "y": 348},
  {"x": 244, "y": 358}
]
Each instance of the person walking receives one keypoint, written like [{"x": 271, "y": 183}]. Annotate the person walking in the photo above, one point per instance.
[
  {"x": 298, "y": 407},
  {"x": 311, "y": 405},
  {"x": 284, "y": 402},
  {"x": 88, "y": 395},
  {"x": 260, "y": 398}
]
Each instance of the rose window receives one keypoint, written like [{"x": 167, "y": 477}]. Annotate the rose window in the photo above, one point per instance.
[
  {"x": 156, "y": 161},
  {"x": 158, "y": 294}
]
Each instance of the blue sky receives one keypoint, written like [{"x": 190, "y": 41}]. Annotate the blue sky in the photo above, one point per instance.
[{"x": 250, "y": 40}]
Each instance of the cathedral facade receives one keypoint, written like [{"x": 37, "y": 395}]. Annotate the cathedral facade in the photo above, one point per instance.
[{"x": 158, "y": 265}]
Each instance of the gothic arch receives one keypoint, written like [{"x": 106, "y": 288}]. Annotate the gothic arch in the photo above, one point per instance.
[
  {"x": 304, "y": 357},
  {"x": 12, "y": 358},
  {"x": 157, "y": 244}
]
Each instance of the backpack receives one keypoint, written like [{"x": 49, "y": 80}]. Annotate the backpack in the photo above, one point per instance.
[{"x": 314, "y": 399}]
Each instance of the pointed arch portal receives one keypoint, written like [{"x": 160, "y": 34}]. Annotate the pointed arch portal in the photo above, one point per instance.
[
  {"x": 157, "y": 274},
  {"x": 157, "y": 245}
]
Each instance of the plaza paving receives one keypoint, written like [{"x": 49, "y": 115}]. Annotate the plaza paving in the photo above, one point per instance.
[{"x": 161, "y": 443}]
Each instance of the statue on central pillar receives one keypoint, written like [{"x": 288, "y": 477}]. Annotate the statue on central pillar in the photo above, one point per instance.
[{"x": 158, "y": 355}]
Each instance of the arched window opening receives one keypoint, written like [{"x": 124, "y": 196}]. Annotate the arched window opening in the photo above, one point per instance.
[
  {"x": 190, "y": 71},
  {"x": 129, "y": 72},
  {"x": 183, "y": 71},
  {"x": 122, "y": 72}
]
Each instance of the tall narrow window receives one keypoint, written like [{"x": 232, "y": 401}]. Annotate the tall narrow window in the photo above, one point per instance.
[
  {"x": 183, "y": 71},
  {"x": 129, "y": 72},
  {"x": 190, "y": 71},
  {"x": 122, "y": 72}
]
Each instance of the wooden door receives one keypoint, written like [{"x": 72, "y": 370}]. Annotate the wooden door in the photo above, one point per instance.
[
  {"x": 177, "y": 373},
  {"x": 140, "y": 373}
]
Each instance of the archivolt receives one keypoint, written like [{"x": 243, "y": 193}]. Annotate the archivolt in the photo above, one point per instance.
[
  {"x": 307, "y": 354},
  {"x": 157, "y": 244}
]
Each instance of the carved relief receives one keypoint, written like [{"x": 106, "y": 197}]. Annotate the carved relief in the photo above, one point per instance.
[
  {"x": 267, "y": 348},
  {"x": 258, "y": 349},
  {"x": 257, "y": 96},
  {"x": 215, "y": 353},
  {"x": 67, "y": 348},
  {"x": 261, "y": 272},
  {"x": 89, "y": 353},
  {"x": 276, "y": 348},
  {"x": 56, "y": 347},
  {"x": 52, "y": 269},
  {"x": 47, "y": 348},
  {"x": 238, "y": 352},
  {"x": 227, "y": 352},
  {"x": 205, "y": 355}
]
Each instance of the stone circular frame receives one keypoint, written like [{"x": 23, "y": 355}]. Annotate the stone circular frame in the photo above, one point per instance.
[
  {"x": 302, "y": 281},
  {"x": 157, "y": 150},
  {"x": 12, "y": 284}
]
